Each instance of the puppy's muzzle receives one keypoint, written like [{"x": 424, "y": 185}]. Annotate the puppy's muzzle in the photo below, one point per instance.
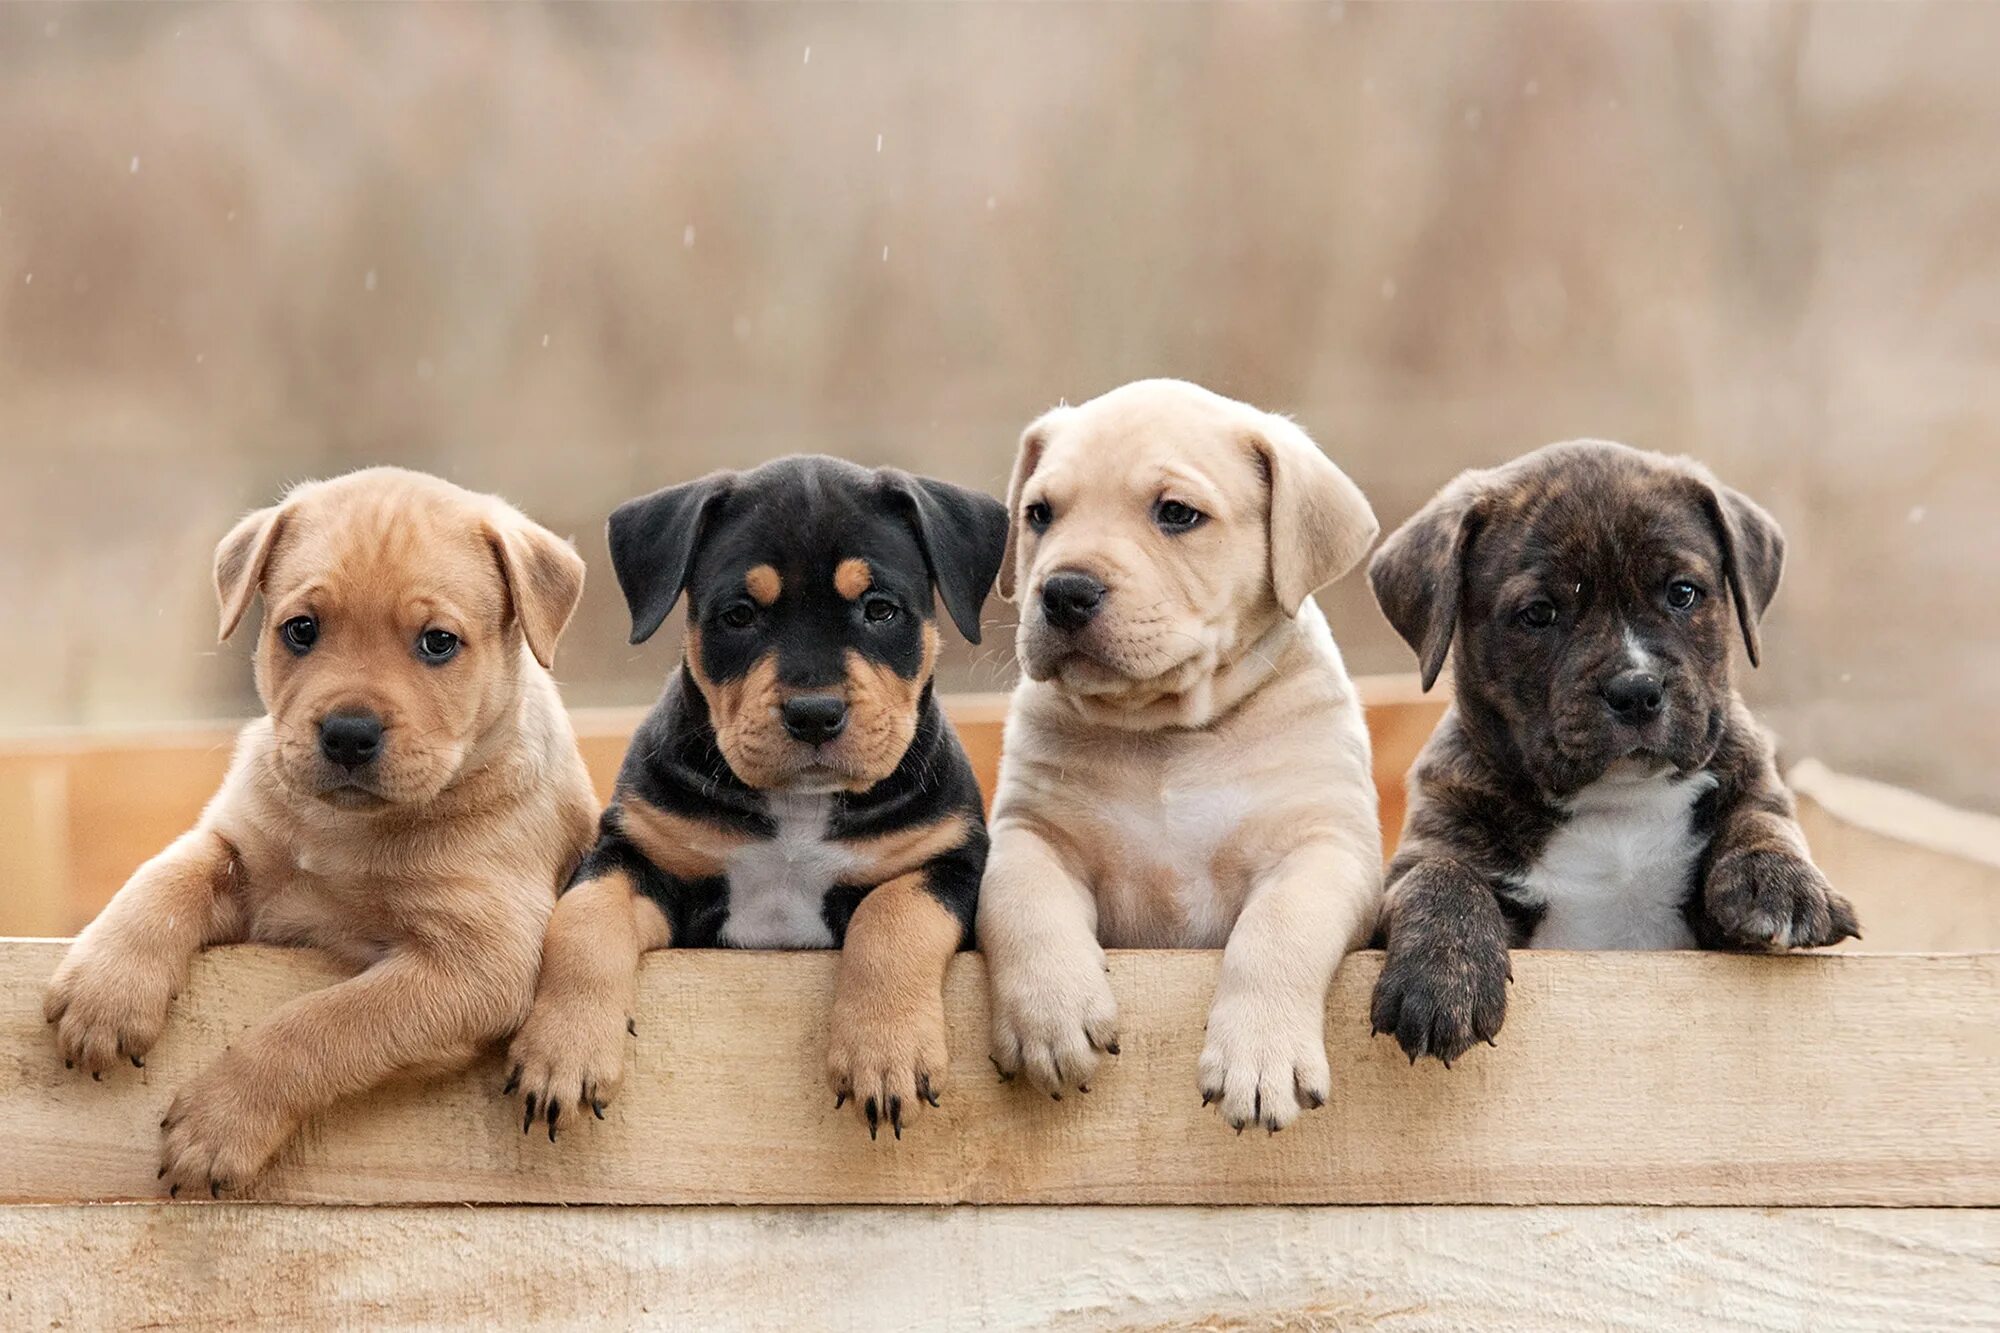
[
  {"x": 1635, "y": 697},
  {"x": 814, "y": 719},
  {"x": 1071, "y": 599},
  {"x": 350, "y": 740}
]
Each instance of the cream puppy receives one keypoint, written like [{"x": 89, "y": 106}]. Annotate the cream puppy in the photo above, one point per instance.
[{"x": 1186, "y": 764}]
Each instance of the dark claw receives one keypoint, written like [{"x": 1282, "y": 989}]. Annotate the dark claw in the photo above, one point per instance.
[
  {"x": 1207, "y": 1097},
  {"x": 839, "y": 1100},
  {"x": 632, "y": 1026},
  {"x": 1257, "y": 1104},
  {"x": 597, "y": 1108},
  {"x": 97, "y": 1076},
  {"x": 555, "y": 1109},
  {"x": 896, "y": 1117},
  {"x": 214, "y": 1188},
  {"x": 1083, "y": 1087},
  {"x": 874, "y": 1116},
  {"x": 162, "y": 1175},
  {"x": 1239, "y": 1129},
  {"x": 513, "y": 1083},
  {"x": 137, "y": 1063},
  {"x": 924, "y": 1089},
  {"x": 174, "y": 1190},
  {"x": 1111, "y": 1047},
  {"x": 1005, "y": 1077},
  {"x": 528, "y": 1116},
  {"x": 1055, "y": 1096},
  {"x": 69, "y": 1064}
]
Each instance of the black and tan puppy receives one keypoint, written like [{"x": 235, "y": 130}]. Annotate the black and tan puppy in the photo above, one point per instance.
[
  {"x": 1597, "y": 783},
  {"x": 797, "y": 785}
]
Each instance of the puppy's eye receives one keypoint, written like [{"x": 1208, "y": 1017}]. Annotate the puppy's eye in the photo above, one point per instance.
[
  {"x": 1682, "y": 595},
  {"x": 300, "y": 633},
  {"x": 878, "y": 610},
  {"x": 1039, "y": 515},
  {"x": 437, "y": 646},
  {"x": 1538, "y": 614},
  {"x": 1174, "y": 516},
  {"x": 739, "y": 615}
]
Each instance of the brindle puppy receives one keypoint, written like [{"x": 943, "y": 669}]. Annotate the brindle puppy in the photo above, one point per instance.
[{"x": 1597, "y": 783}]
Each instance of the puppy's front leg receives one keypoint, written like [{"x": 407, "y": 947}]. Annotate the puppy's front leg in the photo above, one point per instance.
[
  {"x": 1053, "y": 1011},
  {"x": 571, "y": 1051},
  {"x": 1761, "y": 890},
  {"x": 888, "y": 1042},
  {"x": 109, "y": 998},
  {"x": 1444, "y": 981},
  {"x": 1265, "y": 1058},
  {"x": 414, "y": 1010}
]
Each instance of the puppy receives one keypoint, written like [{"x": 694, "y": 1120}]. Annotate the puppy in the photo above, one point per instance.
[
  {"x": 1186, "y": 764},
  {"x": 410, "y": 804},
  {"x": 797, "y": 785},
  {"x": 1597, "y": 783}
]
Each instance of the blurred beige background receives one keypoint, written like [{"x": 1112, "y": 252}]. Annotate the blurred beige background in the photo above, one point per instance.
[{"x": 571, "y": 254}]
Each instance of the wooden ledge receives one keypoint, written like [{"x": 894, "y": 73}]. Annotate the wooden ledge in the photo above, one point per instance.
[{"x": 1686, "y": 1079}]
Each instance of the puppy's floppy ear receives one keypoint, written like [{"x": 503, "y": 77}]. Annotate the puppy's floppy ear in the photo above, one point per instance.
[
  {"x": 1419, "y": 573},
  {"x": 240, "y": 561},
  {"x": 653, "y": 541},
  {"x": 1027, "y": 457},
  {"x": 1321, "y": 523},
  {"x": 964, "y": 536},
  {"x": 544, "y": 577},
  {"x": 1753, "y": 553}
]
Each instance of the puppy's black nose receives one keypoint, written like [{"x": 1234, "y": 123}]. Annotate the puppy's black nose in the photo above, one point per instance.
[
  {"x": 1635, "y": 695},
  {"x": 1070, "y": 599},
  {"x": 350, "y": 739},
  {"x": 815, "y": 718}
]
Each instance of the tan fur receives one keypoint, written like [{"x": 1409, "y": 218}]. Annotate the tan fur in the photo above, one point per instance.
[
  {"x": 571, "y": 1051},
  {"x": 888, "y": 856},
  {"x": 435, "y": 888},
  {"x": 688, "y": 848},
  {"x": 881, "y": 715},
  {"x": 1199, "y": 775},
  {"x": 888, "y": 1032},
  {"x": 744, "y": 713},
  {"x": 764, "y": 584},
  {"x": 852, "y": 578}
]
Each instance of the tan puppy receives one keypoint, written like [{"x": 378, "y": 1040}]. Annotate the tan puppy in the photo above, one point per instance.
[
  {"x": 410, "y": 804},
  {"x": 1186, "y": 764}
]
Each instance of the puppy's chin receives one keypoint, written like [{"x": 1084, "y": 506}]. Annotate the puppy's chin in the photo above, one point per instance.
[
  {"x": 799, "y": 770},
  {"x": 1566, "y": 760},
  {"x": 412, "y": 780},
  {"x": 1106, "y": 667}
]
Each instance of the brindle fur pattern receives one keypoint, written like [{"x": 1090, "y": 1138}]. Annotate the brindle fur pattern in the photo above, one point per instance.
[{"x": 1600, "y": 531}]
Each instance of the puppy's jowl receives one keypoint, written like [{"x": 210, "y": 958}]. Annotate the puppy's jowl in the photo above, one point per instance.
[
  {"x": 1597, "y": 782},
  {"x": 409, "y": 805},
  {"x": 797, "y": 785},
  {"x": 1186, "y": 763}
]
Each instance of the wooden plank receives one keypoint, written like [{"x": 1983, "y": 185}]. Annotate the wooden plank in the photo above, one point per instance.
[
  {"x": 1011, "y": 1268},
  {"x": 1621, "y": 1078},
  {"x": 82, "y": 810}
]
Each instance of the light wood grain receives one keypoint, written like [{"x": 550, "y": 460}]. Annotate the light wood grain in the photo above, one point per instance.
[
  {"x": 80, "y": 811},
  {"x": 1405, "y": 1269},
  {"x": 1620, "y": 1078}
]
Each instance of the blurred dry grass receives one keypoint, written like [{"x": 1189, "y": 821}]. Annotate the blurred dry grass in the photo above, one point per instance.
[{"x": 573, "y": 253}]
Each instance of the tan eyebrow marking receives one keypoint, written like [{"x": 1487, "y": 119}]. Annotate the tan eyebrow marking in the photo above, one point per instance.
[
  {"x": 764, "y": 584},
  {"x": 852, "y": 577}
]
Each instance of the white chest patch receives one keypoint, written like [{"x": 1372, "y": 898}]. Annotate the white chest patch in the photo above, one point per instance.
[
  {"x": 1615, "y": 876},
  {"x": 1179, "y": 834},
  {"x": 777, "y": 886}
]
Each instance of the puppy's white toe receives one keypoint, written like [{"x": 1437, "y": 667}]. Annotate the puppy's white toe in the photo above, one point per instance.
[
  {"x": 1260, "y": 1067},
  {"x": 1054, "y": 1028}
]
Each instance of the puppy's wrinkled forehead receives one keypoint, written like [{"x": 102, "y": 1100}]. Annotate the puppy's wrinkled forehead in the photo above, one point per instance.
[
  {"x": 1150, "y": 434},
  {"x": 1593, "y": 511},
  {"x": 797, "y": 534},
  {"x": 359, "y": 544}
]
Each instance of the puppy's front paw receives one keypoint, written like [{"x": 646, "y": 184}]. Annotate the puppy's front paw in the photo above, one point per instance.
[
  {"x": 107, "y": 1004},
  {"x": 569, "y": 1055},
  {"x": 1054, "y": 1019},
  {"x": 1774, "y": 900},
  {"x": 222, "y": 1130},
  {"x": 1438, "y": 1000},
  {"x": 886, "y": 1059},
  {"x": 1264, "y": 1062}
]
